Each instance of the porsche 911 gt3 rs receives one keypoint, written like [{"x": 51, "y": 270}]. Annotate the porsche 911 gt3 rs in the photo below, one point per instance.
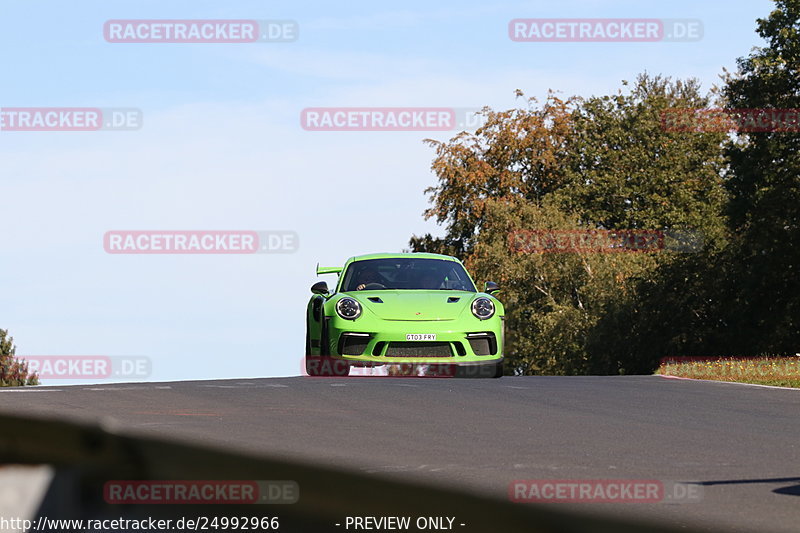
[{"x": 408, "y": 308}]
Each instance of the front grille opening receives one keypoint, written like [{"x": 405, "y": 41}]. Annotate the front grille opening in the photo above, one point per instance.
[
  {"x": 352, "y": 344},
  {"x": 460, "y": 348},
  {"x": 378, "y": 348},
  {"x": 483, "y": 345},
  {"x": 419, "y": 349}
]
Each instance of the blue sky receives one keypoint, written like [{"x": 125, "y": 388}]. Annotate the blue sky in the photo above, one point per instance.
[{"x": 222, "y": 148}]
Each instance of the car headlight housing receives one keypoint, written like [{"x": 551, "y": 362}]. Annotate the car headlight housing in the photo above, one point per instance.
[
  {"x": 348, "y": 308},
  {"x": 483, "y": 308}
]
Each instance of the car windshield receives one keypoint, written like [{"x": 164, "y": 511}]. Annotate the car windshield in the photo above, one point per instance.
[{"x": 406, "y": 273}]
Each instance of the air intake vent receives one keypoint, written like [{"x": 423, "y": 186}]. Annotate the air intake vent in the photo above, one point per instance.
[
  {"x": 482, "y": 343},
  {"x": 453, "y": 299},
  {"x": 353, "y": 344},
  {"x": 419, "y": 349}
]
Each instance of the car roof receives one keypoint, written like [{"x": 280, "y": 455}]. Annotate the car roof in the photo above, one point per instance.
[{"x": 415, "y": 255}]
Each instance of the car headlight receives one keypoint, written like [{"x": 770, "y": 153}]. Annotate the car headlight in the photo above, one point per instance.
[
  {"x": 348, "y": 308},
  {"x": 483, "y": 308}
]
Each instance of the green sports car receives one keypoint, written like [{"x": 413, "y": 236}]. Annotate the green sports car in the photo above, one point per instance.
[{"x": 416, "y": 309}]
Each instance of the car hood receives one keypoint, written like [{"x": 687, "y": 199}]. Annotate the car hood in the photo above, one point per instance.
[{"x": 415, "y": 304}]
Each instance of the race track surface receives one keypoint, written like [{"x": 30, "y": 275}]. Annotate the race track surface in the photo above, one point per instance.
[{"x": 741, "y": 444}]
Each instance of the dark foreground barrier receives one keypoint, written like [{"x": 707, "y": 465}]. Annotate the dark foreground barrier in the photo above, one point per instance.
[{"x": 104, "y": 479}]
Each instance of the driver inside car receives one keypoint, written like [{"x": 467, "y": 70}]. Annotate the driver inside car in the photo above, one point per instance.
[
  {"x": 366, "y": 277},
  {"x": 430, "y": 280}
]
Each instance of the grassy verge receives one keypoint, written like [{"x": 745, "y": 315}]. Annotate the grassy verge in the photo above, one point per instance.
[{"x": 776, "y": 371}]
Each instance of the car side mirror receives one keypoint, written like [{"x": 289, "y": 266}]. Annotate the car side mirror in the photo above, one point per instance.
[
  {"x": 490, "y": 287},
  {"x": 320, "y": 287}
]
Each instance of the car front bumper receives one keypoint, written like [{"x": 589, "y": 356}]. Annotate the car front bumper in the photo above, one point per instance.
[{"x": 387, "y": 342}]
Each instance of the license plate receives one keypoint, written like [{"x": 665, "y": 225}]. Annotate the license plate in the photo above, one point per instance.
[{"x": 421, "y": 336}]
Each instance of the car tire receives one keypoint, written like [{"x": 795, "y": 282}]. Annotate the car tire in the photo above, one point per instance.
[
  {"x": 498, "y": 371},
  {"x": 324, "y": 365}
]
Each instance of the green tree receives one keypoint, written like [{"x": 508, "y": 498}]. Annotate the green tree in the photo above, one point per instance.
[
  {"x": 740, "y": 299},
  {"x": 604, "y": 162},
  {"x": 765, "y": 192},
  {"x": 633, "y": 173},
  {"x": 637, "y": 175},
  {"x": 517, "y": 153},
  {"x": 13, "y": 373},
  {"x": 553, "y": 300}
]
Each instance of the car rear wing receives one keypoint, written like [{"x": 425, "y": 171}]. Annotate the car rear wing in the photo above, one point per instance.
[{"x": 328, "y": 270}]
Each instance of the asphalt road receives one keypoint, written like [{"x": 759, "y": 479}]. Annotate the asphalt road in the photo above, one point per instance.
[{"x": 740, "y": 444}]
